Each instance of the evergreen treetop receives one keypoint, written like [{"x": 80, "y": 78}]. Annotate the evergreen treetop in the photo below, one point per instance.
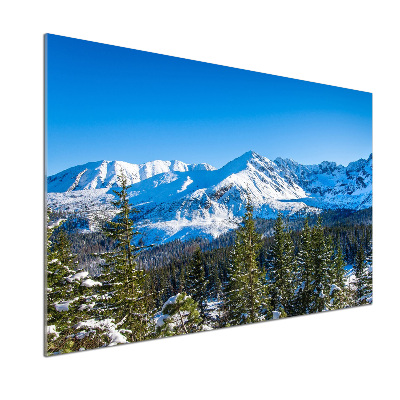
[
  {"x": 124, "y": 294},
  {"x": 245, "y": 290}
]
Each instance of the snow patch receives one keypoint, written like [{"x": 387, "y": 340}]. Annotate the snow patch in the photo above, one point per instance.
[
  {"x": 185, "y": 184},
  {"x": 90, "y": 283},
  {"x": 276, "y": 314},
  {"x": 62, "y": 306}
]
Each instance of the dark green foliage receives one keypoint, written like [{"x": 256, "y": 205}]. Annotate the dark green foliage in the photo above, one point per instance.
[
  {"x": 66, "y": 295},
  {"x": 339, "y": 293},
  {"x": 59, "y": 267},
  {"x": 295, "y": 268},
  {"x": 215, "y": 283},
  {"x": 123, "y": 289},
  {"x": 303, "y": 293},
  {"x": 363, "y": 278},
  {"x": 346, "y": 226},
  {"x": 321, "y": 253},
  {"x": 281, "y": 271},
  {"x": 347, "y": 238},
  {"x": 321, "y": 273},
  {"x": 245, "y": 290},
  {"x": 196, "y": 283},
  {"x": 179, "y": 316}
]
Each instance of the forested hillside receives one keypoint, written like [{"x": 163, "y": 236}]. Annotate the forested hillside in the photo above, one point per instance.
[{"x": 106, "y": 288}]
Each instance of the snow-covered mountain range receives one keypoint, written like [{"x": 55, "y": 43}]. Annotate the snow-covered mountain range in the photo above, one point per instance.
[
  {"x": 178, "y": 200},
  {"x": 104, "y": 174}
]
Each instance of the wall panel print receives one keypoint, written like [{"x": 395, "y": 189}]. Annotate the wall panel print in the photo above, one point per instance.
[{"x": 184, "y": 196}]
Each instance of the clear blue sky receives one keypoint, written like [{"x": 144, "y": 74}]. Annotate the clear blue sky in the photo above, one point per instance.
[{"x": 112, "y": 103}]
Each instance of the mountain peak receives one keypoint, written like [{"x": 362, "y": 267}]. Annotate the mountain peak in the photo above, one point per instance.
[
  {"x": 176, "y": 202},
  {"x": 244, "y": 161},
  {"x": 249, "y": 155}
]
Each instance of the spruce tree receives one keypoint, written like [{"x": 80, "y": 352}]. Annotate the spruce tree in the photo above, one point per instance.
[
  {"x": 281, "y": 271},
  {"x": 124, "y": 294},
  {"x": 322, "y": 252},
  {"x": 368, "y": 273},
  {"x": 56, "y": 286},
  {"x": 339, "y": 296},
  {"x": 303, "y": 293},
  {"x": 65, "y": 293},
  {"x": 363, "y": 279},
  {"x": 180, "y": 315},
  {"x": 245, "y": 290},
  {"x": 216, "y": 289},
  {"x": 196, "y": 283},
  {"x": 182, "y": 279}
]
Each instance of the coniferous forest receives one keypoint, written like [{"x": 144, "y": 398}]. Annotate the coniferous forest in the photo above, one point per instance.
[{"x": 108, "y": 288}]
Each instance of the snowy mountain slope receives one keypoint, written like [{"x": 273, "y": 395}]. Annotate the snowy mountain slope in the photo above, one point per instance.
[
  {"x": 183, "y": 203},
  {"x": 177, "y": 200},
  {"x": 330, "y": 185},
  {"x": 103, "y": 174}
]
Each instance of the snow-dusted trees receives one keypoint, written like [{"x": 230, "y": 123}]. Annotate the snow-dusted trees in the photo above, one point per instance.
[
  {"x": 321, "y": 258},
  {"x": 245, "y": 291},
  {"x": 123, "y": 291},
  {"x": 216, "y": 284},
  {"x": 320, "y": 273},
  {"x": 281, "y": 271},
  {"x": 196, "y": 282},
  {"x": 67, "y": 291},
  {"x": 362, "y": 284},
  {"x": 180, "y": 315},
  {"x": 303, "y": 292},
  {"x": 61, "y": 291},
  {"x": 57, "y": 286},
  {"x": 295, "y": 273},
  {"x": 338, "y": 292}
]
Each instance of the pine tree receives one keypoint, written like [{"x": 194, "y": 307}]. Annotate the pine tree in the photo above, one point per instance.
[
  {"x": 180, "y": 315},
  {"x": 281, "y": 271},
  {"x": 339, "y": 296},
  {"x": 245, "y": 291},
  {"x": 78, "y": 283},
  {"x": 363, "y": 279},
  {"x": 303, "y": 294},
  {"x": 182, "y": 279},
  {"x": 196, "y": 283},
  {"x": 216, "y": 289},
  {"x": 321, "y": 260},
  {"x": 56, "y": 286},
  {"x": 368, "y": 273},
  {"x": 59, "y": 291},
  {"x": 124, "y": 294},
  {"x": 65, "y": 293}
]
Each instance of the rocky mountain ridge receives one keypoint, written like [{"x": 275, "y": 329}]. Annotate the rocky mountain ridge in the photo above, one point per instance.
[{"x": 181, "y": 201}]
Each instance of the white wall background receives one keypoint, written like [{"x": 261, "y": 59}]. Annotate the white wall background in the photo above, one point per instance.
[{"x": 351, "y": 354}]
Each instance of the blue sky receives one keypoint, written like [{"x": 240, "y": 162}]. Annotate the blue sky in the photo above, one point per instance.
[{"x": 113, "y": 103}]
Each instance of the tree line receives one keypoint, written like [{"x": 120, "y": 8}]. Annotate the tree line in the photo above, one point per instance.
[{"x": 299, "y": 273}]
